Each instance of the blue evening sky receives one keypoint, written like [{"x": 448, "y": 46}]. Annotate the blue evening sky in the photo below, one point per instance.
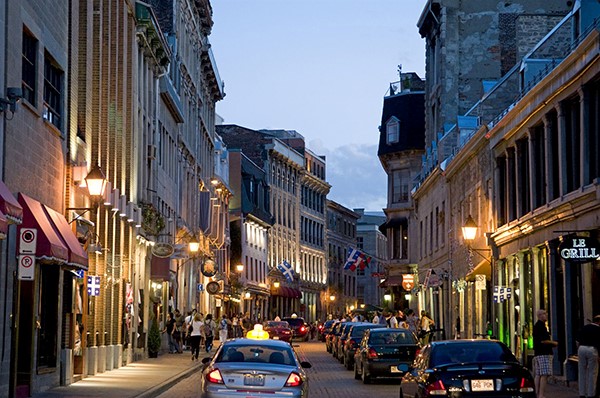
[{"x": 322, "y": 68}]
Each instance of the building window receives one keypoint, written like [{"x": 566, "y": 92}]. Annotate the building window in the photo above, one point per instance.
[
  {"x": 393, "y": 131},
  {"x": 359, "y": 243},
  {"x": 400, "y": 186},
  {"x": 28, "y": 67},
  {"x": 53, "y": 77}
]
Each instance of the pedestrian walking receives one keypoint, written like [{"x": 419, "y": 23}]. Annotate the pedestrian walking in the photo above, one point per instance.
[
  {"x": 195, "y": 335},
  {"x": 208, "y": 331},
  {"x": 179, "y": 331},
  {"x": 412, "y": 321},
  {"x": 588, "y": 342},
  {"x": 246, "y": 324},
  {"x": 224, "y": 328},
  {"x": 169, "y": 330},
  {"x": 542, "y": 353},
  {"x": 375, "y": 319},
  {"x": 235, "y": 326}
]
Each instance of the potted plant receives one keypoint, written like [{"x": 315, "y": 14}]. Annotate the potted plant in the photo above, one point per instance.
[{"x": 154, "y": 339}]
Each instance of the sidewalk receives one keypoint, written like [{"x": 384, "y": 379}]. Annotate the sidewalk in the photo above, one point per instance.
[{"x": 143, "y": 379}]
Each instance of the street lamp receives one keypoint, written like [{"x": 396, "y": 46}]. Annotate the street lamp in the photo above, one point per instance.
[
  {"x": 194, "y": 245},
  {"x": 239, "y": 268},
  {"x": 95, "y": 182},
  {"x": 276, "y": 284},
  {"x": 469, "y": 230}
]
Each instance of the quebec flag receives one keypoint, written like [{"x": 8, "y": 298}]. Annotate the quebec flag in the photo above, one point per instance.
[{"x": 287, "y": 270}]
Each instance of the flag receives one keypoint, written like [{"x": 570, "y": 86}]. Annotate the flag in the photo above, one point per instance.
[
  {"x": 356, "y": 258},
  {"x": 287, "y": 270},
  {"x": 501, "y": 293},
  {"x": 93, "y": 285}
]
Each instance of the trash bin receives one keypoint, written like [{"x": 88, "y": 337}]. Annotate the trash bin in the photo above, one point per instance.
[{"x": 571, "y": 368}]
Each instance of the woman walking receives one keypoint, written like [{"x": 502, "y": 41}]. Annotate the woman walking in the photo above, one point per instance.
[{"x": 195, "y": 335}]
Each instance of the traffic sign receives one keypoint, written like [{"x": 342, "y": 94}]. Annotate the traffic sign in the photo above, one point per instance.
[
  {"x": 28, "y": 241},
  {"x": 26, "y": 267}
]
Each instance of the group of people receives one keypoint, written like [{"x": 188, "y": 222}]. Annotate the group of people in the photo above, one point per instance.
[
  {"x": 588, "y": 346},
  {"x": 196, "y": 330},
  {"x": 407, "y": 319}
]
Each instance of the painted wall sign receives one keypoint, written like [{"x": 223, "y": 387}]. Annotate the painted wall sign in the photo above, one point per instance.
[
  {"x": 213, "y": 287},
  {"x": 408, "y": 282},
  {"x": 162, "y": 250},
  {"x": 579, "y": 249}
]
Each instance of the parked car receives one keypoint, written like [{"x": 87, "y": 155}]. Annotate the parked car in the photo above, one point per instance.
[
  {"x": 325, "y": 328},
  {"x": 463, "y": 368},
  {"x": 353, "y": 340},
  {"x": 256, "y": 367},
  {"x": 338, "y": 347},
  {"x": 331, "y": 337},
  {"x": 300, "y": 329},
  {"x": 382, "y": 350},
  {"x": 278, "y": 330}
]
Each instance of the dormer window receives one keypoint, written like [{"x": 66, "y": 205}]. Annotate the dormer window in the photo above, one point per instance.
[{"x": 393, "y": 130}]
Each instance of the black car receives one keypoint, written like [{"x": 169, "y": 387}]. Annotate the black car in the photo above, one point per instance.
[
  {"x": 325, "y": 328},
  {"x": 338, "y": 346},
  {"x": 382, "y": 350},
  {"x": 467, "y": 368},
  {"x": 351, "y": 343},
  {"x": 300, "y": 329},
  {"x": 332, "y": 336}
]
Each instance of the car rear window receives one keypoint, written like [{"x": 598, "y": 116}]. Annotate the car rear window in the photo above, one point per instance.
[
  {"x": 358, "y": 331},
  {"x": 256, "y": 353},
  {"x": 471, "y": 352},
  {"x": 295, "y": 321},
  {"x": 392, "y": 337}
]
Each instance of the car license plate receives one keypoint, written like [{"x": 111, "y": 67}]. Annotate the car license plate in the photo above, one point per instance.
[
  {"x": 254, "y": 380},
  {"x": 482, "y": 385},
  {"x": 275, "y": 337},
  {"x": 394, "y": 369}
]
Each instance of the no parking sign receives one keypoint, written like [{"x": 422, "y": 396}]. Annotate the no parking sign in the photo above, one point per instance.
[{"x": 26, "y": 267}]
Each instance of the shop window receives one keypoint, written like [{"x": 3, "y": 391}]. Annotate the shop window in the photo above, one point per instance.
[{"x": 48, "y": 317}]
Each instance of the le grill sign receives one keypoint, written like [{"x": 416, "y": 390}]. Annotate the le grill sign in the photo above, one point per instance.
[{"x": 579, "y": 249}]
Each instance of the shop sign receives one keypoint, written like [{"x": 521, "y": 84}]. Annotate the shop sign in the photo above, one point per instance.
[
  {"x": 408, "y": 282},
  {"x": 213, "y": 287},
  {"x": 579, "y": 249},
  {"x": 209, "y": 268},
  {"x": 162, "y": 250}
]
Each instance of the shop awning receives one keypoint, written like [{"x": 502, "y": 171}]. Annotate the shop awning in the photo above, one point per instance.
[
  {"x": 3, "y": 225},
  {"x": 50, "y": 246},
  {"x": 395, "y": 280},
  {"x": 296, "y": 293},
  {"x": 281, "y": 291},
  {"x": 159, "y": 268},
  {"x": 77, "y": 256},
  {"x": 483, "y": 268},
  {"x": 9, "y": 206}
]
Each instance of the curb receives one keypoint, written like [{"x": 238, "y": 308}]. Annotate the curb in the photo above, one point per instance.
[{"x": 164, "y": 386}]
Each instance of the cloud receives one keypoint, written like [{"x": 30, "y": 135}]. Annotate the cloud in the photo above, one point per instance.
[{"x": 355, "y": 174}]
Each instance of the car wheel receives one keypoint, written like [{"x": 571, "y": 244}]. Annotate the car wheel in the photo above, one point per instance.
[
  {"x": 341, "y": 357},
  {"x": 356, "y": 374},
  {"x": 347, "y": 363},
  {"x": 401, "y": 394},
  {"x": 365, "y": 378}
]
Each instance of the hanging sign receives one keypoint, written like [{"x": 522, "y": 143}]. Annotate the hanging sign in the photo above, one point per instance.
[
  {"x": 502, "y": 293},
  {"x": 162, "y": 249},
  {"x": 479, "y": 282},
  {"x": 213, "y": 287},
  {"x": 209, "y": 268},
  {"x": 408, "y": 282},
  {"x": 93, "y": 285},
  {"x": 579, "y": 249}
]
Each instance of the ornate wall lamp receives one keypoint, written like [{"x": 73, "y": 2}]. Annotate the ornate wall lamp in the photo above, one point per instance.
[{"x": 95, "y": 182}]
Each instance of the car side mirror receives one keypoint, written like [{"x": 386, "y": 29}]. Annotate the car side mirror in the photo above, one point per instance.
[{"x": 305, "y": 365}]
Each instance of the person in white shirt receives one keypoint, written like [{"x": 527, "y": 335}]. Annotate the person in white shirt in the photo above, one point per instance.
[
  {"x": 376, "y": 318},
  {"x": 393, "y": 322},
  {"x": 195, "y": 335}
]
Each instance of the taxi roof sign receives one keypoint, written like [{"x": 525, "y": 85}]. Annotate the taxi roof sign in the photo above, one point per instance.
[{"x": 257, "y": 333}]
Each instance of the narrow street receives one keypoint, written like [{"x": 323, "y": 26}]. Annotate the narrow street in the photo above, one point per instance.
[{"x": 328, "y": 378}]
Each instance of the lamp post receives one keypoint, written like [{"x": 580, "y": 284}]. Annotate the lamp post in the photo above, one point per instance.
[{"x": 331, "y": 300}]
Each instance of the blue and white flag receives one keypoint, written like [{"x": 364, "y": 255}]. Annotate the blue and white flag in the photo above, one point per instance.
[
  {"x": 501, "y": 293},
  {"x": 93, "y": 285},
  {"x": 287, "y": 270}
]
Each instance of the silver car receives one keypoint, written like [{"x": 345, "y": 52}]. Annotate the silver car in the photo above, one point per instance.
[{"x": 241, "y": 367}]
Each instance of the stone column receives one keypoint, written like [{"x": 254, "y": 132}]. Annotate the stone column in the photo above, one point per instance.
[
  {"x": 548, "y": 142},
  {"x": 553, "y": 264},
  {"x": 533, "y": 177},
  {"x": 584, "y": 131},
  {"x": 563, "y": 167}
]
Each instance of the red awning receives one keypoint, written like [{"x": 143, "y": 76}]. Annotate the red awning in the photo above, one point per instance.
[
  {"x": 283, "y": 291},
  {"x": 395, "y": 280},
  {"x": 3, "y": 225},
  {"x": 50, "y": 246},
  {"x": 296, "y": 293},
  {"x": 77, "y": 256},
  {"x": 159, "y": 268},
  {"x": 9, "y": 205}
]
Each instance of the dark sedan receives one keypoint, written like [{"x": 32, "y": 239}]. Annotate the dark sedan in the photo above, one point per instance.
[
  {"x": 467, "y": 368},
  {"x": 353, "y": 340},
  {"x": 382, "y": 350},
  {"x": 278, "y": 330},
  {"x": 300, "y": 329},
  {"x": 338, "y": 348},
  {"x": 331, "y": 337},
  {"x": 325, "y": 328}
]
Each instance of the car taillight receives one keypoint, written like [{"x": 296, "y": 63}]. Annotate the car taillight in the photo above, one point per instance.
[
  {"x": 417, "y": 352},
  {"x": 436, "y": 388},
  {"x": 294, "y": 380},
  {"x": 526, "y": 385},
  {"x": 372, "y": 353},
  {"x": 320, "y": 327},
  {"x": 302, "y": 328},
  {"x": 215, "y": 377}
]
